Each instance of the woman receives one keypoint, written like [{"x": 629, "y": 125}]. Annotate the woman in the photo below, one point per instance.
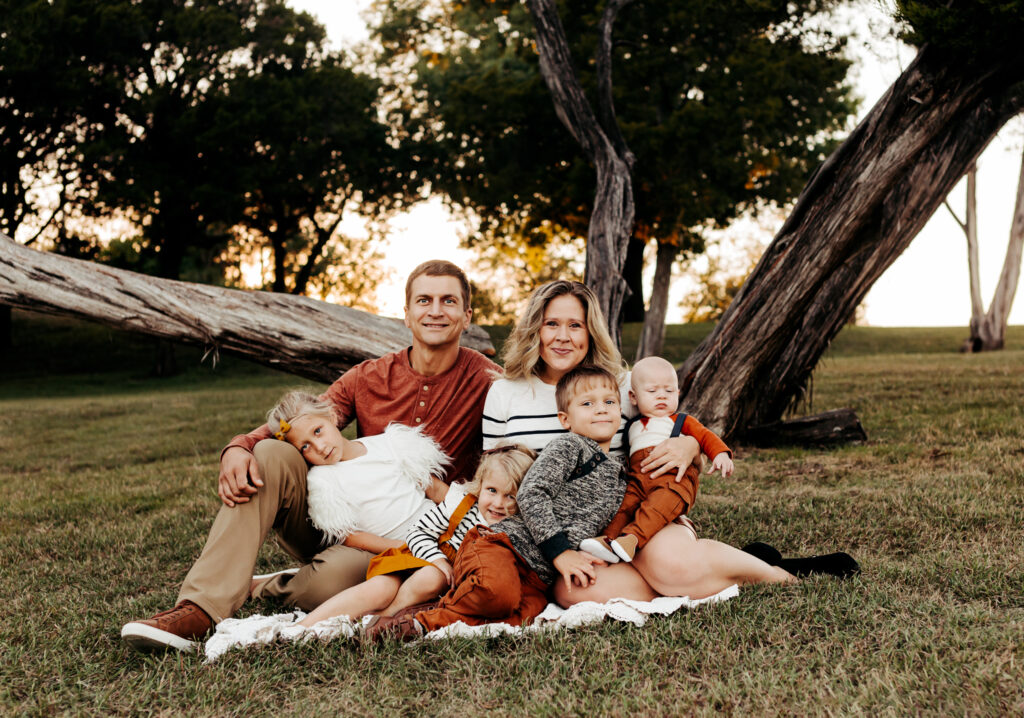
[{"x": 561, "y": 329}]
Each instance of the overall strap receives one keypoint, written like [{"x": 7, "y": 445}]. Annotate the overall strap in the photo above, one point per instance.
[
  {"x": 460, "y": 513},
  {"x": 678, "y": 426}
]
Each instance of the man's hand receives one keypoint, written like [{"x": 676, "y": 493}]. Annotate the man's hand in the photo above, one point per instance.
[
  {"x": 577, "y": 565},
  {"x": 445, "y": 567},
  {"x": 723, "y": 463},
  {"x": 675, "y": 453},
  {"x": 239, "y": 476}
]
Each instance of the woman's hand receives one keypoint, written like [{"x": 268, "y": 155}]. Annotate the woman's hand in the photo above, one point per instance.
[
  {"x": 675, "y": 453},
  {"x": 239, "y": 476},
  {"x": 577, "y": 565}
]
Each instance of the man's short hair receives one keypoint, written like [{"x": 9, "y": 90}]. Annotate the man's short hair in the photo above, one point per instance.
[
  {"x": 439, "y": 268},
  {"x": 568, "y": 385}
]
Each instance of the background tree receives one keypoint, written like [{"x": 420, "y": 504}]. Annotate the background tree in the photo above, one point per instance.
[
  {"x": 307, "y": 147},
  {"x": 724, "y": 105},
  {"x": 988, "y": 329},
  {"x": 860, "y": 211}
]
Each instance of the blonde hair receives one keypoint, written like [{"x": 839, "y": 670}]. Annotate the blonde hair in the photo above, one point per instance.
[
  {"x": 522, "y": 348},
  {"x": 293, "y": 405},
  {"x": 508, "y": 459}
]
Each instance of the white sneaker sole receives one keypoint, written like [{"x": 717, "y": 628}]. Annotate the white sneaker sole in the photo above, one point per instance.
[
  {"x": 143, "y": 637},
  {"x": 621, "y": 552},
  {"x": 262, "y": 576},
  {"x": 594, "y": 548}
]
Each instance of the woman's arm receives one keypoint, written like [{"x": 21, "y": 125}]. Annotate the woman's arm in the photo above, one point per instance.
[{"x": 370, "y": 542}]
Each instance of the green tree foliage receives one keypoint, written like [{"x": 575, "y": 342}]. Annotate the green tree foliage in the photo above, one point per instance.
[{"x": 725, "y": 104}]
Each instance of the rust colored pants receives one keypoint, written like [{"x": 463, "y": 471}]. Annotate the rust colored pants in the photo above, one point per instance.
[
  {"x": 651, "y": 504},
  {"x": 492, "y": 584}
]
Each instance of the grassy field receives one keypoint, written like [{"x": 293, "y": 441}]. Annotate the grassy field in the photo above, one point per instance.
[{"x": 107, "y": 489}]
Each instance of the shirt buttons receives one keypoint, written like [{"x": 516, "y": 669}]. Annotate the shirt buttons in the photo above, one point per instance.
[
  {"x": 423, "y": 403},
  {"x": 425, "y": 387},
  {"x": 418, "y": 420}
]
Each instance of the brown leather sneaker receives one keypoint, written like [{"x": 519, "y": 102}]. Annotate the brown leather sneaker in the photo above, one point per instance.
[
  {"x": 402, "y": 628},
  {"x": 176, "y": 628},
  {"x": 625, "y": 547}
]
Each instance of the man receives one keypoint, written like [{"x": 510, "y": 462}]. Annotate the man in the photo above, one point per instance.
[{"x": 434, "y": 384}]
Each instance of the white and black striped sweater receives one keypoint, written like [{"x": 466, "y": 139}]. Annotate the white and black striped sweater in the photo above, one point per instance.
[
  {"x": 571, "y": 492},
  {"x": 422, "y": 538}
]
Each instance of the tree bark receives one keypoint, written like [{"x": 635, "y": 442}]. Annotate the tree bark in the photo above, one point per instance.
[
  {"x": 611, "y": 220},
  {"x": 857, "y": 214},
  {"x": 653, "y": 335},
  {"x": 295, "y": 334},
  {"x": 633, "y": 309}
]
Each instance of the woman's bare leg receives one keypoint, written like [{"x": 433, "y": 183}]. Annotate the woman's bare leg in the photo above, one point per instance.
[
  {"x": 675, "y": 563},
  {"x": 366, "y": 597},
  {"x": 425, "y": 584},
  {"x": 619, "y": 580}
]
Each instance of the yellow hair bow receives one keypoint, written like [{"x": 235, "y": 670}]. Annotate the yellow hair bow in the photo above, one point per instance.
[{"x": 285, "y": 428}]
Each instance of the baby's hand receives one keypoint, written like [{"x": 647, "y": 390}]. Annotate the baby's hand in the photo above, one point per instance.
[
  {"x": 579, "y": 565},
  {"x": 445, "y": 567},
  {"x": 723, "y": 463}
]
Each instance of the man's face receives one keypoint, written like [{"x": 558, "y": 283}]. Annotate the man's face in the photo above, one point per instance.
[{"x": 436, "y": 313}]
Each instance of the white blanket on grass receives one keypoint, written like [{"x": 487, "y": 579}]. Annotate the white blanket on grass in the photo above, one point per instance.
[{"x": 283, "y": 627}]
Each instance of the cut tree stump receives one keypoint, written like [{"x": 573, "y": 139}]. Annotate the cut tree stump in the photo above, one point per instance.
[{"x": 840, "y": 426}]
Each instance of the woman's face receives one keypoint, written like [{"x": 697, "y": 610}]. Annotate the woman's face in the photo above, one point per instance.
[{"x": 564, "y": 339}]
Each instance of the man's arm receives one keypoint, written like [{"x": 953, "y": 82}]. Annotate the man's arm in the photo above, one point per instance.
[{"x": 239, "y": 476}]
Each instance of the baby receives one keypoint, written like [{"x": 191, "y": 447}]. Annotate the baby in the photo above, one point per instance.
[{"x": 651, "y": 504}]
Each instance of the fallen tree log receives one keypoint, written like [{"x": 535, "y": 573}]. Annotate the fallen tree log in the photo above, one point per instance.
[
  {"x": 303, "y": 336},
  {"x": 840, "y": 426}
]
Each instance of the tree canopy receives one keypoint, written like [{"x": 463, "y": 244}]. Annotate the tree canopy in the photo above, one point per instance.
[{"x": 725, "y": 105}]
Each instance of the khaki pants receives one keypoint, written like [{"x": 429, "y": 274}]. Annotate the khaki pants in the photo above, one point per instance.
[
  {"x": 218, "y": 581},
  {"x": 652, "y": 504},
  {"x": 492, "y": 583}
]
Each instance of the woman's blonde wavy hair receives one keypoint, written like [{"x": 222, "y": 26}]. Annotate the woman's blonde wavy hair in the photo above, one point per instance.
[{"x": 522, "y": 348}]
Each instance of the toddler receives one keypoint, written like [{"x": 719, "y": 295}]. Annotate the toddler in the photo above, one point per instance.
[
  {"x": 421, "y": 569},
  {"x": 365, "y": 493},
  {"x": 572, "y": 490},
  {"x": 651, "y": 504}
]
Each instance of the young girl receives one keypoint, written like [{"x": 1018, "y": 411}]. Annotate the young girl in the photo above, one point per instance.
[
  {"x": 422, "y": 569},
  {"x": 366, "y": 493}
]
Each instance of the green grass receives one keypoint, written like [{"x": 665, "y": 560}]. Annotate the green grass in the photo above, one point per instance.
[{"x": 107, "y": 489}]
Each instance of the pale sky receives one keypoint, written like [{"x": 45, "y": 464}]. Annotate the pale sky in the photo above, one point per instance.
[{"x": 926, "y": 286}]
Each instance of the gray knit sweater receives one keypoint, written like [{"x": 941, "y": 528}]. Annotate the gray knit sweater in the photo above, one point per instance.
[{"x": 571, "y": 492}]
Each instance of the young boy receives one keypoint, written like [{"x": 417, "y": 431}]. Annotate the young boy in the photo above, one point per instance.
[
  {"x": 572, "y": 491},
  {"x": 651, "y": 504}
]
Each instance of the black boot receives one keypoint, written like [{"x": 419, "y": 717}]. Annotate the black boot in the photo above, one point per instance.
[
  {"x": 840, "y": 565},
  {"x": 769, "y": 554}
]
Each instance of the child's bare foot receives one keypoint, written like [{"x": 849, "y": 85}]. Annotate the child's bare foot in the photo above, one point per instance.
[{"x": 599, "y": 547}]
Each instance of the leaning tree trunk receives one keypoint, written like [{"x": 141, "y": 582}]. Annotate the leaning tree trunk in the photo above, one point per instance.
[
  {"x": 611, "y": 220},
  {"x": 857, "y": 214},
  {"x": 653, "y": 335},
  {"x": 988, "y": 329},
  {"x": 300, "y": 335}
]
